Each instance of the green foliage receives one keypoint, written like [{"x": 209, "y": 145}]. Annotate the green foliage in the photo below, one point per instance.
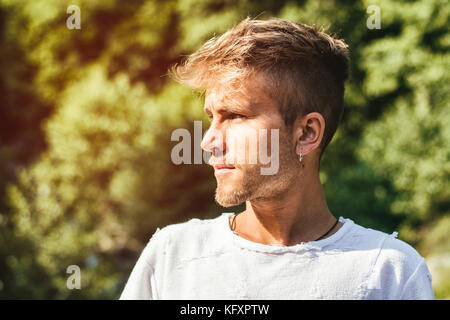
[
  {"x": 87, "y": 116},
  {"x": 409, "y": 142}
]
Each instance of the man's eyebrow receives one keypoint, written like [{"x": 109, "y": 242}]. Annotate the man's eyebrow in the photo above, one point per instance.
[{"x": 231, "y": 108}]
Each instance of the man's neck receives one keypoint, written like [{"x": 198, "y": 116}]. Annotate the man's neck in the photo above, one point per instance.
[{"x": 300, "y": 215}]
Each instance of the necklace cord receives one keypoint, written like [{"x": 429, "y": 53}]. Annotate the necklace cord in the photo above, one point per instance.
[
  {"x": 233, "y": 226},
  {"x": 334, "y": 225}
]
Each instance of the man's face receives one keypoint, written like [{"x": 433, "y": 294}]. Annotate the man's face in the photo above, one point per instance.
[{"x": 246, "y": 128}]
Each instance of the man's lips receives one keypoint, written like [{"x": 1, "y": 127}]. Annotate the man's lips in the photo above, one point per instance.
[
  {"x": 220, "y": 169},
  {"x": 222, "y": 166}
]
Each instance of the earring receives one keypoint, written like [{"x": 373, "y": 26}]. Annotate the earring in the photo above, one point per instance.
[{"x": 301, "y": 158}]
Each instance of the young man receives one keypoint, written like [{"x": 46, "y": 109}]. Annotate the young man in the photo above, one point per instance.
[{"x": 286, "y": 80}]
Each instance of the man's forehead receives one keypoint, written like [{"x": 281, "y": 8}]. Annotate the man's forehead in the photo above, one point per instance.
[
  {"x": 215, "y": 95},
  {"x": 230, "y": 103},
  {"x": 245, "y": 97}
]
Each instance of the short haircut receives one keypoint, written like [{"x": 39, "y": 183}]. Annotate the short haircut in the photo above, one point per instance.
[{"x": 305, "y": 67}]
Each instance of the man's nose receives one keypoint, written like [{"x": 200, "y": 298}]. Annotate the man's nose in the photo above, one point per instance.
[{"x": 213, "y": 141}]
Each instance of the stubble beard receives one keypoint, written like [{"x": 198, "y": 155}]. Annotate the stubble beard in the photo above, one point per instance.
[
  {"x": 236, "y": 192},
  {"x": 252, "y": 185}
]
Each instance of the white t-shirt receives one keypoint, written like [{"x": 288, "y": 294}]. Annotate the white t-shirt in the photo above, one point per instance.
[{"x": 205, "y": 259}]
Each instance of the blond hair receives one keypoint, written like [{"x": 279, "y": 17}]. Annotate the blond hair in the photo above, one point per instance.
[{"x": 305, "y": 67}]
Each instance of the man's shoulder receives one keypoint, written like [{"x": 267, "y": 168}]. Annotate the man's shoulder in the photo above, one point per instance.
[
  {"x": 187, "y": 229},
  {"x": 388, "y": 247},
  {"x": 399, "y": 254},
  {"x": 188, "y": 237},
  {"x": 192, "y": 238},
  {"x": 396, "y": 269}
]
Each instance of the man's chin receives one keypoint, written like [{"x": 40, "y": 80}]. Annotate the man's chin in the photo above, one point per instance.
[{"x": 231, "y": 198}]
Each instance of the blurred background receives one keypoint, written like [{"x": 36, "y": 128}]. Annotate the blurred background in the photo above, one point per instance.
[{"x": 86, "y": 117}]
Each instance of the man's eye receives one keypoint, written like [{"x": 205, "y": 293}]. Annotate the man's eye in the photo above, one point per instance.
[{"x": 236, "y": 116}]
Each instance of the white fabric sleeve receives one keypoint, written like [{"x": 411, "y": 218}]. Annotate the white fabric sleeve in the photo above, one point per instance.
[
  {"x": 141, "y": 284},
  {"x": 418, "y": 286}
]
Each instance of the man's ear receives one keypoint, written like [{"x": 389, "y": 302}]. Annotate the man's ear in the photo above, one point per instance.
[{"x": 308, "y": 132}]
